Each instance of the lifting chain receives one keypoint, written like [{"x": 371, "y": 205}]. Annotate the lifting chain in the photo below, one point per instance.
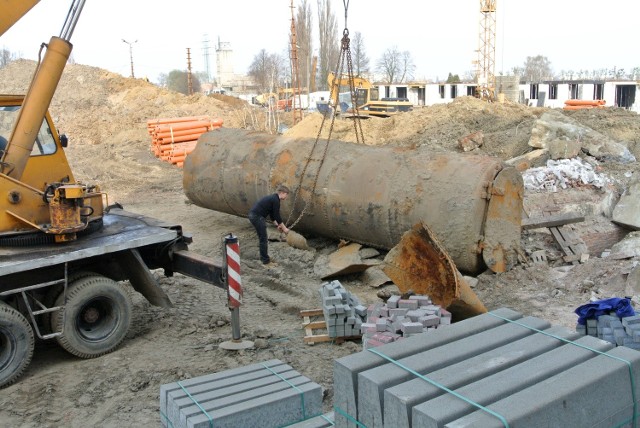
[{"x": 334, "y": 97}]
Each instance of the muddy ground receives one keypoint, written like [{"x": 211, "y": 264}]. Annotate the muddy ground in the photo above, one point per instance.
[{"x": 105, "y": 117}]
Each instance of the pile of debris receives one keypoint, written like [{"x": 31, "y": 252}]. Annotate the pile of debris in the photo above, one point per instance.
[{"x": 563, "y": 173}]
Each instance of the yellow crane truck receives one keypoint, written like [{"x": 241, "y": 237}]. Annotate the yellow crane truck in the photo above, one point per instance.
[
  {"x": 368, "y": 98},
  {"x": 63, "y": 251}
]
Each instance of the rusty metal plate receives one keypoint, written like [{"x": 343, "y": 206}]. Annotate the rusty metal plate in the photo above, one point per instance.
[
  {"x": 501, "y": 244},
  {"x": 419, "y": 263}
]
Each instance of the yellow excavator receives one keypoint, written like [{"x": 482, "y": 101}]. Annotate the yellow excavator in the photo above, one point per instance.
[
  {"x": 368, "y": 98},
  {"x": 63, "y": 250}
]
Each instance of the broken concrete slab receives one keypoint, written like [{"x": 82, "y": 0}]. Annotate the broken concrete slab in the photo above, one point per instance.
[
  {"x": 627, "y": 211},
  {"x": 554, "y": 126},
  {"x": 564, "y": 149},
  {"x": 627, "y": 248},
  {"x": 375, "y": 277},
  {"x": 532, "y": 159},
  {"x": 344, "y": 261}
]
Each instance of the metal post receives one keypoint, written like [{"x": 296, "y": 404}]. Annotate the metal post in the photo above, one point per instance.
[
  {"x": 131, "y": 54},
  {"x": 233, "y": 284}
]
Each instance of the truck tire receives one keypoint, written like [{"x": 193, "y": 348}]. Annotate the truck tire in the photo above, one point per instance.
[
  {"x": 53, "y": 293},
  {"x": 96, "y": 318},
  {"x": 16, "y": 344}
]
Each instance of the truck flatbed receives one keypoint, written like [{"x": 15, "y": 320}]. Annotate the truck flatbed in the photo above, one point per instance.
[{"x": 121, "y": 230}]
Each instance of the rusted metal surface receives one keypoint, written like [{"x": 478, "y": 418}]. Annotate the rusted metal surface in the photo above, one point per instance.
[
  {"x": 365, "y": 194},
  {"x": 419, "y": 263}
]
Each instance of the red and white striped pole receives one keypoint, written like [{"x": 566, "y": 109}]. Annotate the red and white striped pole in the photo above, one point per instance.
[{"x": 233, "y": 283}]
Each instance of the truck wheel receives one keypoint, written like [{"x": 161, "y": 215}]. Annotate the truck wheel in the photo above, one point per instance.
[
  {"x": 96, "y": 318},
  {"x": 53, "y": 293},
  {"x": 16, "y": 344}
]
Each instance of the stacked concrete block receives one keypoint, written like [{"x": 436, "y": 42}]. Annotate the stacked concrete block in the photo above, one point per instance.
[
  {"x": 343, "y": 312},
  {"x": 526, "y": 372},
  {"x": 269, "y": 394},
  {"x": 400, "y": 318},
  {"x": 623, "y": 331}
]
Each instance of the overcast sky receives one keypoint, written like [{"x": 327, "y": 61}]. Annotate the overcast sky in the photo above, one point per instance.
[{"x": 442, "y": 36}]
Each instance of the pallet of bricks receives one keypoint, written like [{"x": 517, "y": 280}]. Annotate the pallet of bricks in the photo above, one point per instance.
[
  {"x": 172, "y": 139},
  {"x": 400, "y": 318},
  {"x": 345, "y": 317}
]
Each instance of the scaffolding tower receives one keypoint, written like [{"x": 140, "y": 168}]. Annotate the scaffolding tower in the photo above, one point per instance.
[{"x": 486, "y": 63}]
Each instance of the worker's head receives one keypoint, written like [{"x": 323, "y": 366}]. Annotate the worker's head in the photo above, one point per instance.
[{"x": 282, "y": 191}]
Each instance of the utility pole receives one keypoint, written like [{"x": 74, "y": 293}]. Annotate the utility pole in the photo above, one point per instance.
[
  {"x": 296, "y": 102},
  {"x": 189, "y": 80},
  {"x": 131, "y": 54}
]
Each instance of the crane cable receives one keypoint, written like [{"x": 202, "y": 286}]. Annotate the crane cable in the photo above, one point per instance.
[{"x": 345, "y": 54}]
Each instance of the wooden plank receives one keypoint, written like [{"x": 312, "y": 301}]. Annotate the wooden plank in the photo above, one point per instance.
[
  {"x": 570, "y": 243},
  {"x": 314, "y": 324},
  {"x": 317, "y": 338},
  {"x": 551, "y": 220},
  {"x": 311, "y": 312}
]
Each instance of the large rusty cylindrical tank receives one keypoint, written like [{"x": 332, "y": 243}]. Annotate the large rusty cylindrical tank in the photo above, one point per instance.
[{"x": 367, "y": 194}]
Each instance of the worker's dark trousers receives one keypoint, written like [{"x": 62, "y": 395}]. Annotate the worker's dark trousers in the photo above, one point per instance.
[{"x": 260, "y": 223}]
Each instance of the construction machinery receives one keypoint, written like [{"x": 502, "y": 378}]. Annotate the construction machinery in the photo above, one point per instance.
[
  {"x": 63, "y": 248},
  {"x": 368, "y": 100}
]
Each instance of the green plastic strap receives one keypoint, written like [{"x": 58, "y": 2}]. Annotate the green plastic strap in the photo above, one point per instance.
[
  {"x": 439, "y": 385},
  {"x": 327, "y": 419},
  {"x": 165, "y": 417},
  {"x": 348, "y": 416},
  {"x": 197, "y": 404},
  {"x": 304, "y": 413},
  {"x": 628, "y": 363}
]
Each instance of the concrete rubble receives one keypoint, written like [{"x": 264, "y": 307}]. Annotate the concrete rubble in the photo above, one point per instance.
[
  {"x": 627, "y": 211},
  {"x": 554, "y": 127},
  {"x": 562, "y": 174}
]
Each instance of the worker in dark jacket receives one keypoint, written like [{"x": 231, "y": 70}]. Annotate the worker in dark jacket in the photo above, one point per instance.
[{"x": 268, "y": 206}]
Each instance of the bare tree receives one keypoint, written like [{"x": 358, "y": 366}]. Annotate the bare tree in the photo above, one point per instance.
[
  {"x": 6, "y": 57},
  {"x": 359, "y": 55},
  {"x": 407, "y": 66},
  {"x": 267, "y": 70},
  {"x": 537, "y": 68},
  {"x": 304, "y": 22},
  {"x": 329, "y": 42},
  {"x": 395, "y": 66}
]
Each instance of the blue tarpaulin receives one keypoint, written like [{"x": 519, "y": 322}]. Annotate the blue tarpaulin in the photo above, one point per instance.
[{"x": 621, "y": 306}]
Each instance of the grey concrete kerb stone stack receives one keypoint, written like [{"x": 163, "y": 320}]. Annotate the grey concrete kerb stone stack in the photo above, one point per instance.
[
  {"x": 485, "y": 371},
  {"x": 269, "y": 394}
]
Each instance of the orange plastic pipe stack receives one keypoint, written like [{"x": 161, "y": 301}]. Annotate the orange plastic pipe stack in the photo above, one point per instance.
[
  {"x": 580, "y": 104},
  {"x": 173, "y": 138}
]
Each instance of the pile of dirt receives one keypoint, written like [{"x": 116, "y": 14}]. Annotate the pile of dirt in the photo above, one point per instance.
[{"x": 105, "y": 116}]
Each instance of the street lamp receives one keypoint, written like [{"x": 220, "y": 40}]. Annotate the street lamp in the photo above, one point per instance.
[{"x": 131, "y": 54}]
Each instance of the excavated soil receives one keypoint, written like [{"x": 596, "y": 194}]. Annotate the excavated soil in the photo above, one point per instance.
[{"x": 105, "y": 117}]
